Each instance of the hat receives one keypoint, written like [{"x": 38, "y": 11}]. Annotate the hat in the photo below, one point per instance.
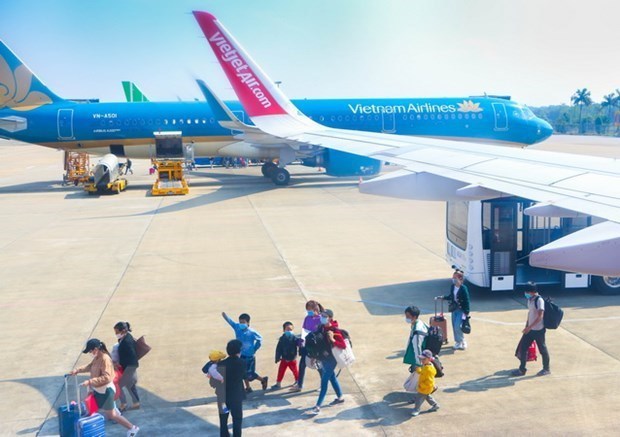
[
  {"x": 91, "y": 344},
  {"x": 426, "y": 354},
  {"x": 216, "y": 355},
  {"x": 328, "y": 313}
]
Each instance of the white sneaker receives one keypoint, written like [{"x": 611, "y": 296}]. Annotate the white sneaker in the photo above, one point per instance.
[
  {"x": 464, "y": 345},
  {"x": 133, "y": 431},
  {"x": 457, "y": 345}
]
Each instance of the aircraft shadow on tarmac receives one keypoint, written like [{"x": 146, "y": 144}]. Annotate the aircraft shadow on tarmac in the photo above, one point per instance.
[{"x": 39, "y": 187}]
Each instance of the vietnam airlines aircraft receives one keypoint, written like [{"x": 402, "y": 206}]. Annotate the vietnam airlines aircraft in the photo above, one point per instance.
[
  {"x": 32, "y": 113},
  {"x": 562, "y": 185}
]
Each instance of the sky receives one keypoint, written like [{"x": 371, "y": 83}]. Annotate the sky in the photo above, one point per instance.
[{"x": 537, "y": 51}]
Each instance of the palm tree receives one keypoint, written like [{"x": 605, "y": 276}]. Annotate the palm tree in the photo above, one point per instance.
[
  {"x": 581, "y": 98},
  {"x": 610, "y": 101}
]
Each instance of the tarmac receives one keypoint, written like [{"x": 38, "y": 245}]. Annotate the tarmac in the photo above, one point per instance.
[{"x": 73, "y": 265}]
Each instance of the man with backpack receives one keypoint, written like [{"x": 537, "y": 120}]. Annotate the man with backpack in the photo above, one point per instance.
[{"x": 534, "y": 331}]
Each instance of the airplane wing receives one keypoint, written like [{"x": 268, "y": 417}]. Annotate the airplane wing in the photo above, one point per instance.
[{"x": 563, "y": 184}]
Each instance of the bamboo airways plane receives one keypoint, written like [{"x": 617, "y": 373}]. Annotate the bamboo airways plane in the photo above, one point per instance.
[
  {"x": 31, "y": 112},
  {"x": 564, "y": 185}
]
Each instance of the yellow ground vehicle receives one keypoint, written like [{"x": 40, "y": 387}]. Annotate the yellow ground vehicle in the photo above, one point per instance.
[{"x": 170, "y": 179}]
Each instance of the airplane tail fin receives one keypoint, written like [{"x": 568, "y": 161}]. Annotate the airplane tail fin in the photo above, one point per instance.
[
  {"x": 20, "y": 89},
  {"x": 133, "y": 93},
  {"x": 262, "y": 100}
]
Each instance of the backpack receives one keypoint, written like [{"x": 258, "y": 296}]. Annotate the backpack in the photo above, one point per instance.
[
  {"x": 438, "y": 367},
  {"x": 289, "y": 347},
  {"x": 553, "y": 314},
  {"x": 433, "y": 340},
  {"x": 316, "y": 345}
]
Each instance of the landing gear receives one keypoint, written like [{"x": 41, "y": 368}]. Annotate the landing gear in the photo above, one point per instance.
[
  {"x": 606, "y": 285},
  {"x": 280, "y": 176},
  {"x": 268, "y": 168}
]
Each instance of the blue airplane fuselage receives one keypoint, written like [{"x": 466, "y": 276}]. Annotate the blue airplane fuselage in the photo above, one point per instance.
[{"x": 128, "y": 129}]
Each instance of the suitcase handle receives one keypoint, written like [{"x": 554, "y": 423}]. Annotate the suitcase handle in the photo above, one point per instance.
[
  {"x": 77, "y": 391},
  {"x": 439, "y": 298}
]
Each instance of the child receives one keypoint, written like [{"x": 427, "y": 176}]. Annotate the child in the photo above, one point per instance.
[
  {"x": 251, "y": 341},
  {"x": 286, "y": 354},
  {"x": 426, "y": 383},
  {"x": 216, "y": 380}
]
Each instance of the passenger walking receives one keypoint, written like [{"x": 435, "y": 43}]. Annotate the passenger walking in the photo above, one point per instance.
[
  {"x": 534, "y": 331},
  {"x": 216, "y": 379},
  {"x": 426, "y": 383},
  {"x": 101, "y": 382},
  {"x": 128, "y": 166},
  {"x": 458, "y": 305},
  {"x": 286, "y": 354},
  {"x": 417, "y": 333},
  {"x": 128, "y": 360},
  {"x": 251, "y": 341},
  {"x": 333, "y": 337},
  {"x": 312, "y": 321},
  {"x": 235, "y": 372}
]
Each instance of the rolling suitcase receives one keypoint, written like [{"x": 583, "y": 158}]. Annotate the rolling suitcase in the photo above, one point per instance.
[
  {"x": 90, "y": 426},
  {"x": 440, "y": 321},
  {"x": 70, "y": 413}
]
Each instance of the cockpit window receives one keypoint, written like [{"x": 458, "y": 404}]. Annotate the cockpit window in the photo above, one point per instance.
[{"x": 527, "y": 113}]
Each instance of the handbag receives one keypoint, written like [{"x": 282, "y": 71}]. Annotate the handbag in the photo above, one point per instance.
[
  {"x": 118, "y": 374},
  {"x": 344, "y": 357},
  {"x": 312, "y": 363},
  {"x": 411, "y": 383},
  {"x": 91, "y": 404},
  {"x": 531, "y": 352},
  {"x": 142, "y": 348},
  {"x": 466, "y": 326}
]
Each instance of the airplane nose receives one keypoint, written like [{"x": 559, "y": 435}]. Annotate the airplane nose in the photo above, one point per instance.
[{"x": 543, "y": 130}]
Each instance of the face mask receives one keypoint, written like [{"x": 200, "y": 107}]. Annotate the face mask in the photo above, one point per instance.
[
  {"x": 119, "y": 336},
  {"x": 289, "y": 333},
  {"x": 243, "y": 325},
  {"x": 408, "y": 320},
  {"x": 324, "y": 320},
  {"x": 310, "y": 313},
  {"x": 453, "y": 281},
  {"x": 527, "y": 295}
]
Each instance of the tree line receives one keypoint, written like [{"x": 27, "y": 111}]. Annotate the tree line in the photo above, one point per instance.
[{"x": 584, "y": 116}]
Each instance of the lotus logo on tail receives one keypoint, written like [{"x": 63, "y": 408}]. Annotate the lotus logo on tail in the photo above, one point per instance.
[
  {"x": 469, "y": 106},
  {"x": 15, "y": 90}
]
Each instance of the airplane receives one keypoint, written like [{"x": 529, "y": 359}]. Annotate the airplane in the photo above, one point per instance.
[
  {"x": 563, "y": 185},
  {"x": 32, "y": 113},
  {"x": 133, "y": 93}
]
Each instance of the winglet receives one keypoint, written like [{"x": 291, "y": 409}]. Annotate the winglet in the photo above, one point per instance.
[
  {"x": 220, "y": 110},
  {"x": 255, "y": 90}
]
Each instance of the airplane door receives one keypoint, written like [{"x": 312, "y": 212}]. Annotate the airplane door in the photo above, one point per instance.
[
  {"x": 65, "y": 124},
  {"x": 501, "y": 118},
  {"x": 503, "y": 245},
  {"x": 388, "y": 123}
]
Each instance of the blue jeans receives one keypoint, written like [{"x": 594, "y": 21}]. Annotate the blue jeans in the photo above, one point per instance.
[
  {"x": 457, "y": 319},
  {"x": 328, "y": 375}
]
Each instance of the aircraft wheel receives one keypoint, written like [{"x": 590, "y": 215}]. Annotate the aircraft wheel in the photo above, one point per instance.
[
  {"x": 281, "y": 176},
  {"x": 606, "y": 285},
  {"x": 268, "y": 168}
]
